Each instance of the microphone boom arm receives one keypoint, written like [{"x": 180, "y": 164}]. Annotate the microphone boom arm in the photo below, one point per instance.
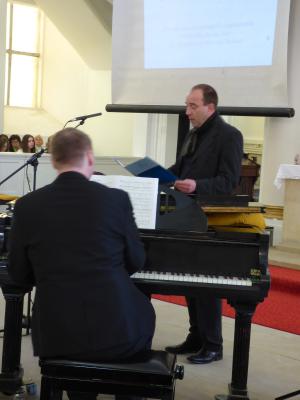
[{"x": 82, "y": 119}]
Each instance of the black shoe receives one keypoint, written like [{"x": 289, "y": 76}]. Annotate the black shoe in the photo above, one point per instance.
[
  {"x": 206, "y": 356},
  {"x": 190, "y": 345}
]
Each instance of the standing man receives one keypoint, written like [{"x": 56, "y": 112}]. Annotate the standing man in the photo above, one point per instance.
[
  {"x": 209, "y": 163},
  {"x": 79, "y": 251}
]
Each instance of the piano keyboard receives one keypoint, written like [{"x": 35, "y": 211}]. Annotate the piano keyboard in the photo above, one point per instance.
[{"x": 191, "y": 278}]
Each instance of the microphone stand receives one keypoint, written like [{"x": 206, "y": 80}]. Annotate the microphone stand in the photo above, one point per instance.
[{"x": 33, "y": 160}]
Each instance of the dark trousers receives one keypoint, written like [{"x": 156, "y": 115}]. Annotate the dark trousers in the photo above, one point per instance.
[{"x": 205, "y": 314}]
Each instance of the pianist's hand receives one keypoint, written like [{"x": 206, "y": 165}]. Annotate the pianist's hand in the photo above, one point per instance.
[{"x": 186, "y": 185}]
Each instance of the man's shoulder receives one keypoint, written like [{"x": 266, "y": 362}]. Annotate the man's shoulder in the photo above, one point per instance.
[
  {"x": 226, "y": 129},
  {"x": 227, "y": 126},
  {"x": 35, "y": 194},
  {"x": 32, "y": 200}
]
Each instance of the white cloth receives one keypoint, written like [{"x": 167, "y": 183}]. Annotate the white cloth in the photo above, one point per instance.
[{"x": 286, "y": 171}]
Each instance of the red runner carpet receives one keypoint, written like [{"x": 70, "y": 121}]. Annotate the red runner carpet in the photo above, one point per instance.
[{"x": 280, "y": 310}]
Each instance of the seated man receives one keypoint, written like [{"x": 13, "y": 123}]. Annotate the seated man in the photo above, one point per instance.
[{"x": 79, "y": 251}]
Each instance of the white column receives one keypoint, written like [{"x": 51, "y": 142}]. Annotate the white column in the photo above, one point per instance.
[
  {"x": 162, "y": 131},
  {"x": 282, "y": 135},
  {"x": 2, "y": 59},
  {"x": 157, "y": 137},
  {"x": 139, "y": 138}
]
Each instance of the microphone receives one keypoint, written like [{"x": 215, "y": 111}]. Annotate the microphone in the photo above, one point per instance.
[
  {"x": 84, "y": 117},
  {"x": 34, "y": 157}
]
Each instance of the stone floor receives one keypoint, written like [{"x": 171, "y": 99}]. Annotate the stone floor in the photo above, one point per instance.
[
  {"x": 274, "y": 367},
  {"x": 283, "y": 257}
]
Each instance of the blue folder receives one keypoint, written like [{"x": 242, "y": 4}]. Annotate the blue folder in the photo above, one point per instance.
[{"x": 148, "y": 168}]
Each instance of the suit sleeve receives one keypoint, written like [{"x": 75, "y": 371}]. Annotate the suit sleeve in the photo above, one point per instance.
[
  {"x": 19, "y": 267},
  {"x": 134, "y": 248},
  {"x": 175, "y": 168},
  {"x": 229, "y": 167}
]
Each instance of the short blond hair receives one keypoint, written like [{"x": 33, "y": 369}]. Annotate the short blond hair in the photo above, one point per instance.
[{"x": 69, "y": 146}]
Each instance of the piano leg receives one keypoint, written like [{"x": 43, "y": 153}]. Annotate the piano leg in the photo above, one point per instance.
[
  {"x": 12, "y": 372},
  {"x": 242, "y": 331}
]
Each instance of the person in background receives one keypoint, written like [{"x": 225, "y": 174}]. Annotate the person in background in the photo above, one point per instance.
[
  {"x": 3, "y": 143},
  {"x": 38, "y": 141},
  {"x": 14, "y": 144},
  {"x": 209, "y": 163},
  {"x": 86, "y": 307},
  {"x": 27, "y": 144},
  {"x": 48, "y": 144}
]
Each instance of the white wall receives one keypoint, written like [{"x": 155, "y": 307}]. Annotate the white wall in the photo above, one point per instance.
[
  {"x": 22, "y": 182},
  {"x": 139, "y": 139},
  {"x": 2, "y": 58},
  {"x": 252, "y": 128},
  {"x": 71, "y": 88},
  {"x": 282, "y": 138},
  {"x": 84, "y": 27},
  {"x": 172, "y": 133},
  {"x": 20, "y": 121}
]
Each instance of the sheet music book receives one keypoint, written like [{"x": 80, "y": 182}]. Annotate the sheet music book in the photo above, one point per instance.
[
  {"x": 142, "y": 192},
  {"x": 148, "y": 168}
]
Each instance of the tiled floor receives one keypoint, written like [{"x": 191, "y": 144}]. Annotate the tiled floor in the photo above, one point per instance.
[{"x": 274, "y": 359}]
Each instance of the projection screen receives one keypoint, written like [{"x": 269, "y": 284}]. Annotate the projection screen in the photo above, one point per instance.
[{"x": 161, "y": 48}]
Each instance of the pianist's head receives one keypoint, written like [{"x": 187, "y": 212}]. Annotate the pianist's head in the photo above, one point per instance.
[{"x": 71, "y": 150}]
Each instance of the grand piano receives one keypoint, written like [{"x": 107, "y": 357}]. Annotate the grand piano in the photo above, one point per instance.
[{"x": 184, "y": 257}]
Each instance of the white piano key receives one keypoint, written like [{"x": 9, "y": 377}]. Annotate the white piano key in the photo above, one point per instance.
[{"x": 192, "y": 278}]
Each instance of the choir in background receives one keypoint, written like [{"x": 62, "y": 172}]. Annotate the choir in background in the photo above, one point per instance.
[{"x": 26, "y": 144}]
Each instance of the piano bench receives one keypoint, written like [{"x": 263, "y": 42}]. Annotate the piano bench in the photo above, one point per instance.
[{"x": 152, "y": 375}]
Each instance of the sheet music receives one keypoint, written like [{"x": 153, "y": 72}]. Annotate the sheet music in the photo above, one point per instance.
[{"x": 142, "y": 192}]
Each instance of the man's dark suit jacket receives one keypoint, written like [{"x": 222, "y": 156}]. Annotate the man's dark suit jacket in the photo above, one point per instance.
[
  {"x": 215, "y": 165},
  {"x": 77, "y": 242},
  {"x": 216, "y": 161}
]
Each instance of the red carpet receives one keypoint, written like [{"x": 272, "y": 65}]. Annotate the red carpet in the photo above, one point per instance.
[{"x": 280, "y": 310}]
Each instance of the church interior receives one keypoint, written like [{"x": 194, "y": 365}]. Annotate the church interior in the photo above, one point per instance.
[{"x": 56, "y": 63}]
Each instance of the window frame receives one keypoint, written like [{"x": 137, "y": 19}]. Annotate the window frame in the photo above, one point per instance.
[{"x": 10, "y": 52}]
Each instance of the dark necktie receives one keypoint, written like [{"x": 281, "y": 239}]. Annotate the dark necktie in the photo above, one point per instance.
[{"x": 189, "y": 145}]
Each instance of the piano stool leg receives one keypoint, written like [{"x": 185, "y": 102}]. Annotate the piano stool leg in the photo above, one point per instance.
[
  {"x": 242, "y": 331},
  {"x": 11, "y": 372}
]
